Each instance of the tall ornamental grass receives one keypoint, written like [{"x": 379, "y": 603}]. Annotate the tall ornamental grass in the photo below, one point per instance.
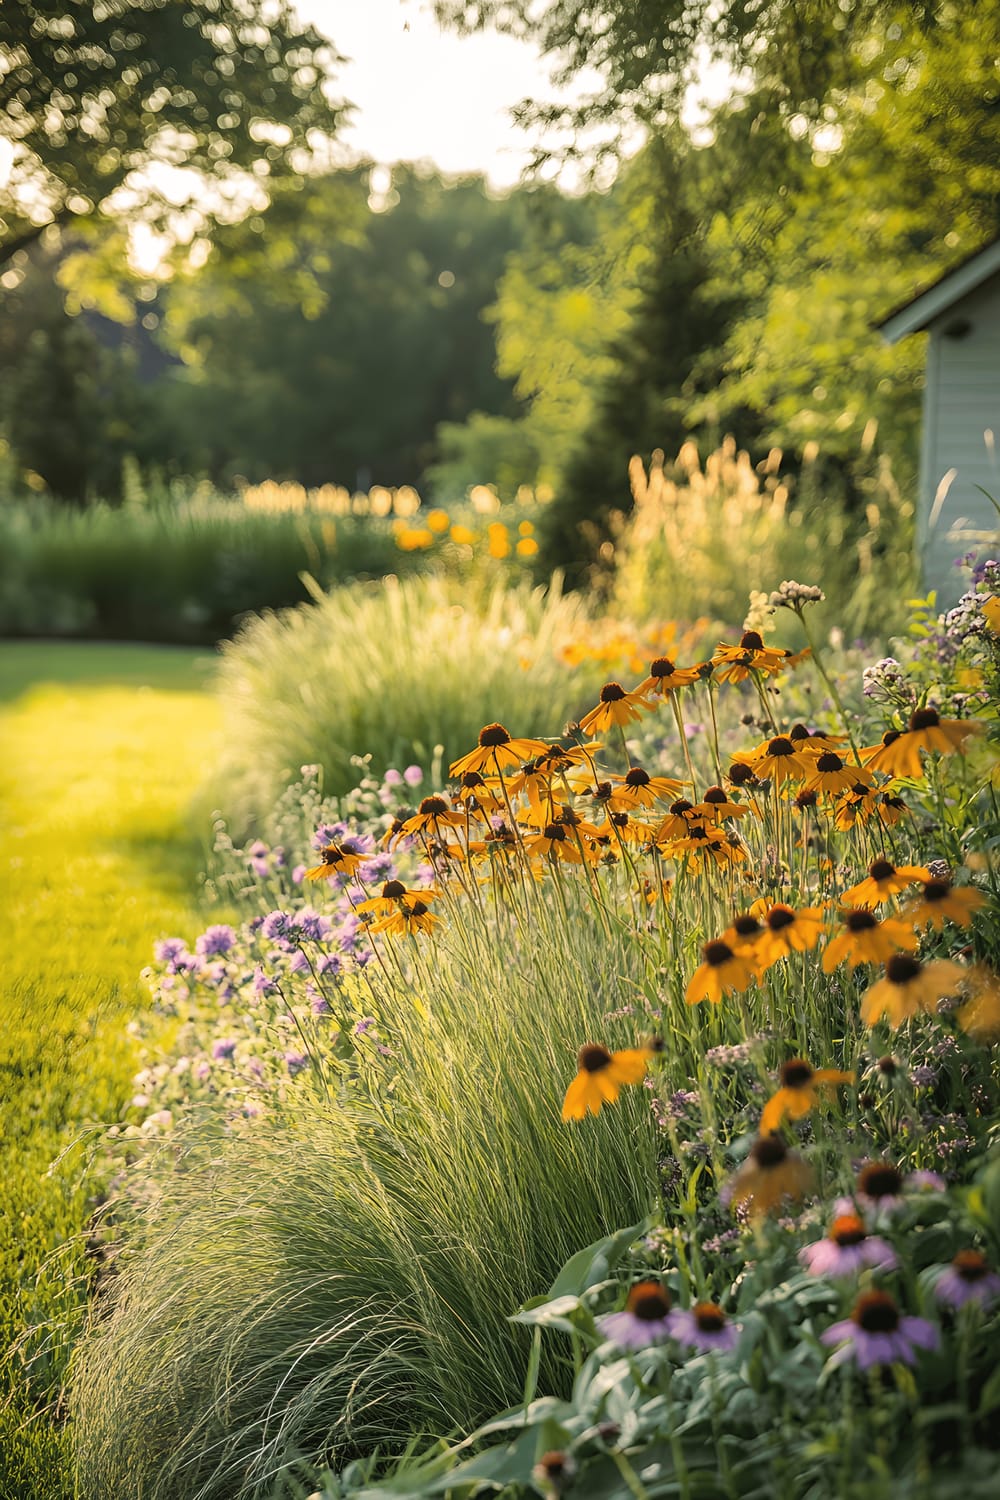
[
  {"x": 339, "y": 1277},
  {"x": 391, "y": 670},
  {"x": 702, "y": 536}
]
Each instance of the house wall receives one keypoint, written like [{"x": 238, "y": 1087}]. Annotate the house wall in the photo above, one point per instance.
[{"x": 961, "y": 410}]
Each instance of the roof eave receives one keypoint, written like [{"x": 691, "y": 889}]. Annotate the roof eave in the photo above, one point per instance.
[{"x": 921, "y": 311}]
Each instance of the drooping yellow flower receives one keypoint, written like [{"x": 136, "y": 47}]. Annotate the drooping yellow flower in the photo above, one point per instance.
[
  {"x": 832, "y": 776},
  {"x": 722, "y": 972},
  {"x": 771, "y": 1176},
  {"x": 433, "y": 814},
  {"x": 638, "y": 789},
  {"x": 338, "y": 859},
  {"x": 778, "y": 760},
  {"x": 979, "y": 1017},
  {"x": 394, "y": 893},
  {"x": 882, "y": 881},
  {"x": 496, "y": 747},
  {"x": 664, "y": 677},
  {"x": 600, "y": 1078},
  {"x": 788, "y": 931},
  {"x": 751, "y": 655},
  {"x": 940, "y": 901},
  {"x": 866, "y": 940},
  {"x": 715, "y": 806},
  {"x": 910, "y": 987},
  {"x": 899, "y": 752},
  {"x": 410, "y": 916},
  {"x": 616, "y": 708},
  {"x": 798, "y": 1092}
]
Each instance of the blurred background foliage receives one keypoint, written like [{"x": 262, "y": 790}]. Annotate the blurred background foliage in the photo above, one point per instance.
[{"x": 358, "y": 326}]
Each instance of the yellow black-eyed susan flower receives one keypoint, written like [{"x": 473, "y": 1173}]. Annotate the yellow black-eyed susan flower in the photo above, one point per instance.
[
  {"x": 338, "y": 859},
  {"x": 899, "y": 752},
  {"x": 883, "y": 880},
  {"x": 788, "y": 931},
  {"x": 866, "y": 940},
  {"x": 392, "y": 894},
  {"x": 496, "y": 749},
  {"x": 743, "y": 934},
  {"x": 771, "y": 1176},
  {"x": 939, "y": 901},
  {"x": 909, "y": 988},
  {"x": 600, "y": 1078},
  {"x": 831, "y": 776},
  {"x": 798, "y": 1094},
  {"x": 638, "y": 789},
  {"x": 615, "y": 709},
  {"x": 679, "y": 821},
  {"x": 410, "y": 916},
  {"x": 721, "y": 972},
  {"x": 664, "y": 677},
  {"x": 750, "y": 655},
  {"x": 433, "y": 814},
  {"x": 778, "y": 760},
  {"x": 715, "y": 806}
]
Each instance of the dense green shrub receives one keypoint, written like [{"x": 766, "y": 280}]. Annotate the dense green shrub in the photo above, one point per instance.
[{"x": 184, "y": 573}]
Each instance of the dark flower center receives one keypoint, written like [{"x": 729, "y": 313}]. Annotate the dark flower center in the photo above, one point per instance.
[
  {"x": 751, "y": 641},
  {"x": 472, "y": 779},
  {"x": 888, "y": 1065},
  {"x": 805, "y": 798},
  {"x": 717, "y": 953},
  {"x": 936, "y": 890},
  {"x": 902, "y": 969},
  {"x": 891, "y": 736},
  {"x": 592, "y": 1057},
  {"x": 925, "y": 718},
  {"x": 714, "y": 794},
  {"x": 649, "y": 1301},
  {"x": 876, "y": 1312},
  {"x": 554, "y": 831},
  {"x": 612, "y": 692},
  {"x": 709, "y": 1317},
  {"x": 796, "y": 1073},
  {"x": 769, "y": 1152},
  {"x": 392, "y": 889},
  {"x": 662, "y": 667},
  {"x": 860, "y": 920},
  {"x": 880, "y": 1179},
  {"x": 848, "y": 1229},
  {"x": 860, "y": 790},
  {"x": 746, "y": 925},
  {"x": 881, "y": 869},
  {"x": 971, "y": 1265},
  {"x": 680, "y": 808},
  {"x": 602, "y": 791},
  {"x": 780, "y": 746},
  {"x": 829, "y": 762},
  {"x": 779, "y": 917},
  {"x": 332, "y": 854},
  {"x": 799, "y": 732},
  {"x": 619, "y": 820},
  {"x": 740, "y": 774},
  {"x": 494, "y": 734},
  {"x": 434, "y": 806},
  {"x": 418, "y": 909},
  {"x": 637, "y": 777},
  {"x": 554, "y": 1465}
]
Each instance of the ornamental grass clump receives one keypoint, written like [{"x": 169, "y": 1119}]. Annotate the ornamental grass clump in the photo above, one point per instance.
[
  {"x": 389, "y": 671},
  {"x": 565, "y": 992}
]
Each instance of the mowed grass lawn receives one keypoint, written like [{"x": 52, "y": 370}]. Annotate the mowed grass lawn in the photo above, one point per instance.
[{"x": 102, "y": 750}]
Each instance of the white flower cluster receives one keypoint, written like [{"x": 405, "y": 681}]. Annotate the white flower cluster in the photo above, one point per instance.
[
  {"x": 792, "y": 595},
  {"x": 885, "y": 681}
]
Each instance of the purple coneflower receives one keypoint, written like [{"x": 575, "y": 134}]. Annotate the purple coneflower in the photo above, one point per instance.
[
  {"x": 704, "y": 1327},
  {"x": 877, "y": 1333},
  {"x": 968, "y": 1279},
  {"x": 645, "y": 1319},
  {"x": 846, "y": 1249}
]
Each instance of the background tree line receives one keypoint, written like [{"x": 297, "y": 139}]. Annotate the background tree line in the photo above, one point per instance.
[{"x": 431, "y": 333}]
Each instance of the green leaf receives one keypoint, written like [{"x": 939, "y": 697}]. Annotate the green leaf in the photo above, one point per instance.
[{"x": 592, "y": 1265}]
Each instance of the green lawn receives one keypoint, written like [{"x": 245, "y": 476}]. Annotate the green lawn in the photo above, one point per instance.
[{"x": 102, "y": 748}]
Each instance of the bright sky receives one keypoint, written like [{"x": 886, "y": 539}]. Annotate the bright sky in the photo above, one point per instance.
[{"x": 427, "y": 94}]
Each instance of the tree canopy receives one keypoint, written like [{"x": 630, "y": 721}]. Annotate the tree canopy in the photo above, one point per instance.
[{"x": 106, "y": 102}]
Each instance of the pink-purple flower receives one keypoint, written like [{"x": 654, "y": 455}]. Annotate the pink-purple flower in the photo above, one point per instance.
[
  {"x": 968, "y": 1279},
  {"x": 705, "y": 1327},
  {"x": 848, "y": 1248},
  {"x": 877, "y": 1333},
  {"x": 645, "y": 1319}
]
